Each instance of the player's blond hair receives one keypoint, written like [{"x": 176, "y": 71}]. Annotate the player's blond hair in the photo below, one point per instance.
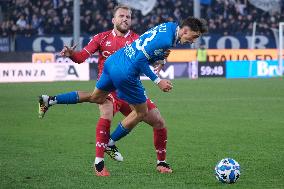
[{"x": 121, "y": 7}]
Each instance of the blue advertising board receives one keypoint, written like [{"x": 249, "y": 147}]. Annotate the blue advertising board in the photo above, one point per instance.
[
  {"x": 55, "y": 43},
  {"x": 252, "y": 69}
]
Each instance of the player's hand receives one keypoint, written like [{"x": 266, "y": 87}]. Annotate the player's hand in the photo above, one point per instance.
[
  {"x": 158, "y": 68},
  {"x": 167, "y": 53},
  {"x": 165, "y": 85},
  {"x": 67, "y": 51}
]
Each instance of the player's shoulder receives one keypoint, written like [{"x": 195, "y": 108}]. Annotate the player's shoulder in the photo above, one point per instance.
[
  {"x": 133, "y": 34},
  {"x": 167, "y": 31},
  {"x": 170, "y": 24},
  {"x": 103, "y": 34},
  {"x": 165, "y": 27},
  {"x": 100, "y": 37},
  {"x": 168, "y": 28}
]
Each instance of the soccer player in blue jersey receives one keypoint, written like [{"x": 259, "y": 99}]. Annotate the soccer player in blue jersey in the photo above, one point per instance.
[{"x": 122, "y": 69}]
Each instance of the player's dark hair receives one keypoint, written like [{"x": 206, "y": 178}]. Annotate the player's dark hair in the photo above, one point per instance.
[
  {"x": 121, "y": 7},
  {"x": 195, "y": 24}
]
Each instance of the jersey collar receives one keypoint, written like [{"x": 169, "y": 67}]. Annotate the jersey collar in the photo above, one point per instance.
[{"x": 125, "y": 36}]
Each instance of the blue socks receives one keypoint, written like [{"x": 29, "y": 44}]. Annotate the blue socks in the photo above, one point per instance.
[
  {"x": 119, "y": 132},
  {"x": 67, "y": 98}
]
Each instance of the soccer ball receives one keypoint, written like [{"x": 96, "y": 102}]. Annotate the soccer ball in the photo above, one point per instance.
[{"x": 227, "y": 171}]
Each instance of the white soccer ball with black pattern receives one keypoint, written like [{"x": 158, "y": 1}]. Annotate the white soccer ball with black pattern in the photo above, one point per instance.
[{"x": 227, "y": 171}]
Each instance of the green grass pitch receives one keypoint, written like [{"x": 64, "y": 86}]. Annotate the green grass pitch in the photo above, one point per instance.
[{"x": 207, "y": 120}]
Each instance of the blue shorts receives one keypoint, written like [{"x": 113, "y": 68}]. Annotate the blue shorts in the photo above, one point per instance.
[{"x": 120, "y": 74}]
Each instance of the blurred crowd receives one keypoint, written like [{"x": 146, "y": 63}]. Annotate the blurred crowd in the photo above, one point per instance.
[
  {"x": 237, "y": 16},
  {"x": 225, "y": 17}
]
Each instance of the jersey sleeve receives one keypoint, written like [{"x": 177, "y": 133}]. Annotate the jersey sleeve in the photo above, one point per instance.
[
  {"x": 93, "y": 45},
  {"x": 145, "y": 68},
  {"x": 79, "y": 56},
  {"x": 87, "y": 51}
]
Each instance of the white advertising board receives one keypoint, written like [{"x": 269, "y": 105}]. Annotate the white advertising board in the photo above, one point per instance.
[{"x": 33, "y": 72}]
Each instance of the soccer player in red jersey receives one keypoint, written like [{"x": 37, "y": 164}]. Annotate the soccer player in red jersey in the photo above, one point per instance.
[{"x": 107, "y": 43}]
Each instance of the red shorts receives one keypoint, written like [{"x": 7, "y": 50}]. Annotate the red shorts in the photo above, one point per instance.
[{"x": 123, "y": 107}]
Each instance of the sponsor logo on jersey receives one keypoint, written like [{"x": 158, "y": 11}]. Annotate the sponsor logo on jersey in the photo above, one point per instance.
[
  {"x": 108, "y": 43},
  {"x": 106, "y": 54}
]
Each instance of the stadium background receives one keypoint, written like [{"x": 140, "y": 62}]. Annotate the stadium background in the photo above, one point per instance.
[{"x": 212, "y": 118}]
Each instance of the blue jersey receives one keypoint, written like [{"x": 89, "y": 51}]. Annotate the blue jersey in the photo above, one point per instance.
[
  {"x": 123, "y": 68},
  {"x": 151, "y": 46}
]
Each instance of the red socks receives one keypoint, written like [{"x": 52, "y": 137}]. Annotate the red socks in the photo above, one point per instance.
[
  {"x": 102, "y": 136},
  {"x": 160, "y": 143}
]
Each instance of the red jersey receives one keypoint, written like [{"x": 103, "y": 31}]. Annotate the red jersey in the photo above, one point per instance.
[{"x": 106, "y": 43}]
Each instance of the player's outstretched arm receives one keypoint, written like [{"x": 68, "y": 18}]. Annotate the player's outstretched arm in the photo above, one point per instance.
[{"x": 164, "y": 85}]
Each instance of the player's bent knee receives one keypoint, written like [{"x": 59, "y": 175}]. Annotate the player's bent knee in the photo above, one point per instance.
[
  {"x": 96, "y": 99},
  {"x": 160, "y": 123},
  {"x": 100, "y": 100},
  {"x": 142, "y": 115},
  {"x": 107, "y": 115}
]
